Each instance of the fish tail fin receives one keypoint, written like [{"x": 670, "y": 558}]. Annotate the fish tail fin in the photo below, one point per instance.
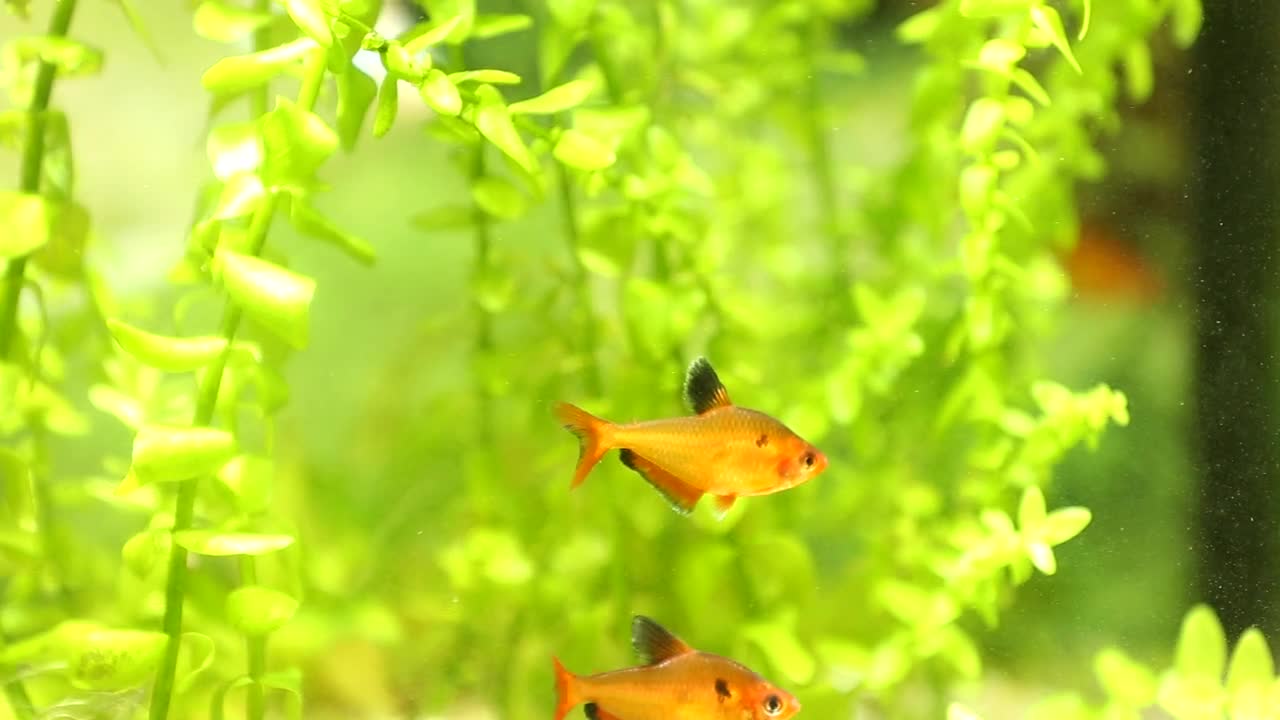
[
  {"x": 566, "y": 690},
  {"x": 593, "y": 437}
]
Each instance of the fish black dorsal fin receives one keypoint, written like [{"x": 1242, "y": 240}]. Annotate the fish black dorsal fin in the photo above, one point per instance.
[
  {"x": 654, "y": 643},
  {"x": 703, "y": 389}
]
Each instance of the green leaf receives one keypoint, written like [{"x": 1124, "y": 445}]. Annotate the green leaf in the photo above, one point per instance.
[
  {"x": 557, "y": 99},
  {"x": 1029, "y": 85},
  {"x": 238, "y": 73},
  {"x": 277, "y": 298},
  {"x": 920, "y": 27},
  {"x": 356, "y": 92},
  {"x": 498, "y": 197},
  {"x": 311, "y": 18},
  {"x": 493, "y": 120},
  {"x": 1041, "y": 556},
  {"x": 199, "y": 649},
  {"x": 296, "y": 142},
  {"x": 582, "y": 151},
  {"x": 25, "y": 220},
  {"x": 166, "y": 353},
  {"x": 992, "y": 8},
  {"x": 571, "y": 13},
  {"x": 1138, "y": 73},
  {"x": 1046, "y": 18},
  {"x": 64, "y": 253},
  {"x": 234, "y": 148},
  {"x": 19, "y": 8},
  {"x": 218, "y": 543},
  {"x": 982, "y": 124},
  {"x": 257, "y": 611},
  {"x": 493, "y": 25},
  {"x": 440, "y": 94},
  {"x": 310, "y": 222},
  {"x": 1124, "y": 680},
  {"x": 142, "y": 552},
  {"x": 163, "y": 453},
  {"x": 1084, "y": 21},
  {"x": 1188, "y": 16},
  {"x": 1064, "y": 523},
  {"x": 249, "y": 477},
  {"x": 497, "y": 77},
  {"x": 1000, "y": 54},
  {"x": 240, "y": 197},
  {"x": 956, "y": 711},
  {"x": 1031, "y": 509},
  {"x": 107, "y": 659},
  {"x": 778, "y": 642},
  {"x": 445, "y": 217},
  {"x": 434, "y": 35},
  {"x": 69, "y": 57},
  {"x": 1202, "y": 647},
  {"x": 1252, "y": 667},
  {"x": 598, "y": 263},
  {"x": 977, "y": 182},
  {"x": 225, "y": 22},
  {"x": 388, "y": 105}
]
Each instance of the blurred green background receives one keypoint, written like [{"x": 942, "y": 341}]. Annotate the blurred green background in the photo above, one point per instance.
[{"x": 382, "y": 479}]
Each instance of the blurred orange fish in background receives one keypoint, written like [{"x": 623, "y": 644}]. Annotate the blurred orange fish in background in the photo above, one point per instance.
[
  {"x": 724, "y": 450},
  {"x": 675, "y": 682},
  {"x": 1103, "y": 266}
]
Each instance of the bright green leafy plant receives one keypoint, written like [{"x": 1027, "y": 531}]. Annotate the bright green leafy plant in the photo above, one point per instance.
[
  {"x": 1204, "y": 681},
  {"x": 640, "y": 183}
]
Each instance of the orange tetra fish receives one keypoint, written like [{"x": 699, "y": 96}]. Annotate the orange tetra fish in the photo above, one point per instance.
[
  {"x": 724, "y": 450},
  {"x": 676, "y": 682}
]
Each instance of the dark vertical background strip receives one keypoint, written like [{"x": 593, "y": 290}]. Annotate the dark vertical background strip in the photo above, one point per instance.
[{"x": 1236, "y": 185}]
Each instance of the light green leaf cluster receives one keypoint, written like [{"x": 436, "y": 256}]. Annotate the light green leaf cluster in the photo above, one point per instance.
[{"x": 1204, "y": 681}]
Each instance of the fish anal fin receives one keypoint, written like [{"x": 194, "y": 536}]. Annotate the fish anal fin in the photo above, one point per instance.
[
  {"x": 682, "y": 496},
  {"x": 723, "y": 504},
  {"x": 593, "y": 712},
  {"x": 703, "y": 389},
  {"x": 654, "y": 643}
]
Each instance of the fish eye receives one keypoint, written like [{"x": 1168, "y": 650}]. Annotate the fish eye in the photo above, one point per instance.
[
  {"x": 808, "y": 459},
  {"x": 772, "y": 705}
]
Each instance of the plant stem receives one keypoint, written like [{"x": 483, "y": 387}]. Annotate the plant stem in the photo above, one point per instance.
[
  {"x": 257, "y": 651},
  {"x": 256, "y": 648},
  {"x": 484, "y": 320},
  {"x": 29, "y": 182},
  {"x": 175, "y": 586},
  {"x": 823, "y": 169},
  {"x": 484, "y": 344},
  {"x": 581, "y": 283},
  {"x": 32, "y": 162}
]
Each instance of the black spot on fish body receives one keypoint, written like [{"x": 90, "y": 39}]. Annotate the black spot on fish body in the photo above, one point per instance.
[
  {"x": 722, "y": 689},
  {"x": 762, "y": 440}
]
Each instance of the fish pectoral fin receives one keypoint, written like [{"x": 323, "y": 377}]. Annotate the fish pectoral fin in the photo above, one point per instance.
[
  {"x": 593, "y": 712},
  {"x": 682, "y": 496},
  {"x": 703, "y": 389},
  {"x": 723, "y": 504}
]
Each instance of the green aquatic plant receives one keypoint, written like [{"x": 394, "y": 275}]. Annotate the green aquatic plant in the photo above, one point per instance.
[
  {"x": 634, "y": 184},
  {"x": 1203, "y": 681}
]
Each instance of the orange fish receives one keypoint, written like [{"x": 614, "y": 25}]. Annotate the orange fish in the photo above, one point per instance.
[
  {"x": 676, "y": 682},
  {"x": 723, "y": 450}
]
